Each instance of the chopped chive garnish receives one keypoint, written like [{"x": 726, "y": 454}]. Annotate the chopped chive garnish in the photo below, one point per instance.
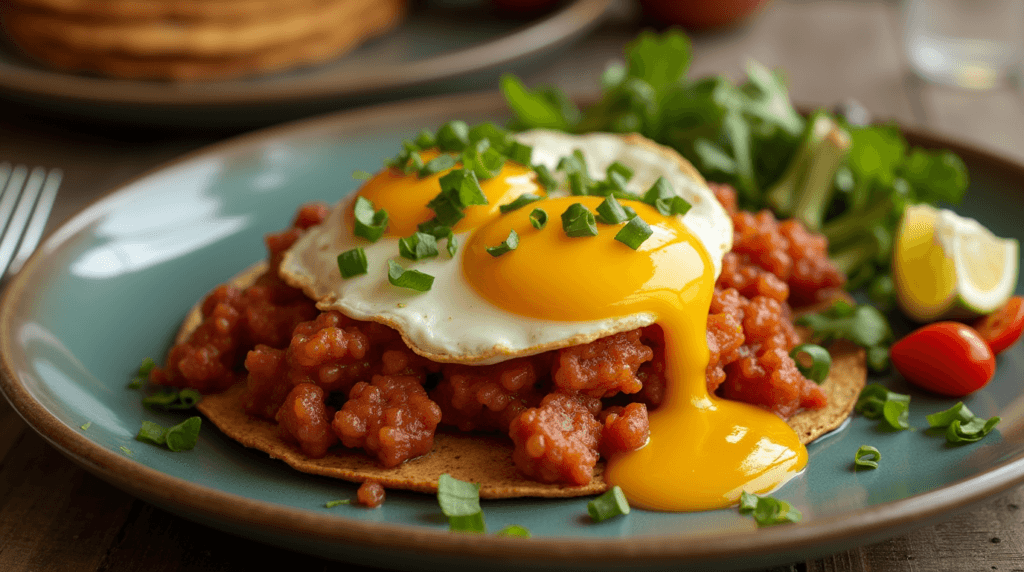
[
  {"x": 411, "y": 279},
  {"x": 126, "y": 450},
  {"x": 414, "y": 164},
  {"x": 538, "y": 218},
  {"x": 453, "y": 136},
  {"x": 339, "y": 502},
  {"x": 877, "y": 402},
  {"x": 370, "y": 224},
  {"x": 514, "y": 530},
  {"x": 867, "y": 457},
  {"x": 352, "y": 263},
  {"x": 425, "y": 140},
  {"x": 142, "y": 374},
  {"x": 620, "y": 169},
  {"x": 462, "y": 189},
  {"x": 173, "y": 400},
  {"x": 610, "y": 211},
  {"x": 438, "y": 231},
  {"x": 577, "y": 184},
  {"x": 86, "y": 425},
  {"x": 510, "y": 244},
  {"x": 821, "y": 361},
  {"x": 520, "y": 202},
  {"x": 662, "y": 197},
  {"x": 483, "y": 160},
  {"x": 610, "y": 504},
  {"x": 436, "y": 165},
  {"x": 418, "y": 246},
  {"x": 519, "y": 153},
  {"x": 460, "y": 502},
  {"x": 152, "y": 433},
  {"x": 768, "y": 511},
  {"x": 545, "y": 178},
  {"x": 634, "y": 232},
  {"x": 578, "y": 221},
  {"x": 361, "y": 175},
  {"x": 181, "y": 437},
  {"x": 962, "y": 426}
]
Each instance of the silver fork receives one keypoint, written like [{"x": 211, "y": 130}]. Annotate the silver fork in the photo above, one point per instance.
[{"x": 25, "y": 206}]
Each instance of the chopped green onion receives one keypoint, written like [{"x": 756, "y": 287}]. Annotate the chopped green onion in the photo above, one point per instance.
[
  {"x": 370, "y": 224},
  {"x": 126, "y": 450},
  {"x": 339, "y": 502},
  {"x": 425, "y": 140},
  {"x": 173, "y": 400},
  {"x": 520, "y": 202},
  {"x": 453, "y": 136},
  {"x": 821, "y": 362},
  {"x": 620, "y": 169},
  {"x": 577, "y": 184},
  {"x": 610, "y": 504},
  {"x": 519, "y": 153},
  {"x": 538, "y": 218},
  {"x": 436, "y": 165},
  {"x": 610, "y": 211},
  {"x": 877, "y": 402},
  {"x": 411, "y": 279},
  {"x": 867, "y": 456},
  {"x": 485, "y": 161},
  {"x": 489, "y": 131},
  {"x": 514, "y": 530},
  {"x": 361, "y": 175},
  {"x": 578, "y": 221},
  {"x": 662, "y": 197},
  {"x": 460, "y": 502},
  {"x": 414, "y": 164},
  {"x": 634, "y": 232},
  {"x": 545, "y": 178},
  {"x": 86, "y": 425},
  {"x": 768, "y": 511},
  {"x": 463, "y": 188},
  {"x": 352, "y": 263},
  {"x": 509, "y": 245},
  {"x": 962, "y": 426},
  {"x": 152, "y": 433},
  {"x": 418, "y": 246},
  {"x": 142, "y": 375},
  {"x": 183, "y": 436}
]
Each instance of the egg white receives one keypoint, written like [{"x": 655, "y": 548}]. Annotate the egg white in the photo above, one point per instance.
[{"x": 451, "y": 322}]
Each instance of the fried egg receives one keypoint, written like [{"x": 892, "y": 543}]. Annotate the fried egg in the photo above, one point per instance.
[{"x": 556, "y": 291}]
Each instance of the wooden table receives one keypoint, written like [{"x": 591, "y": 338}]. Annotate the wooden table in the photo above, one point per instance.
[{"x": 56, "y": 517}]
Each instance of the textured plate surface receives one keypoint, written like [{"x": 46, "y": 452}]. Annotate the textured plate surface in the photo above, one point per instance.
[
  {"x": 443, "y": 45},
  {"x": 111, "y": 286}
]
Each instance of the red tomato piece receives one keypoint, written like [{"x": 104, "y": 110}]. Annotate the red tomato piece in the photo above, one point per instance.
[
  {"x": 1003, "y": 327},
  {"x": 945, "y": 357}
]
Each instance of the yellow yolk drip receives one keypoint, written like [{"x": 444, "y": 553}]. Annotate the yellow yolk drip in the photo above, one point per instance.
[
  {"x": 703, "y": 450},
  {"x": 405, "y": 197}
]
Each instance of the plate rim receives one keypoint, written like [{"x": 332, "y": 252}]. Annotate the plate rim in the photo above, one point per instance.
[
  {"x": 533, "y": 37},
  {"x": 853, "y": 527}
]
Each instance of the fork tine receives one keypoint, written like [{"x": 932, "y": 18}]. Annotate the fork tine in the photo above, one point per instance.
[
  {"x": 10, "y": 194},
  {"x": 36, "y": 224},
  {"x": 19, "y": 219}
]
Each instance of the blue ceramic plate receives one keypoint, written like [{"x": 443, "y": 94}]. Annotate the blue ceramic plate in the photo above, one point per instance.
[
  {"x": 443, "y": 45},
  {"x": 111, "y": 286}
]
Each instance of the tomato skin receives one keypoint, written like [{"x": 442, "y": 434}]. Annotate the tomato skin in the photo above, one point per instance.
[
  {"x": 1003, "y": 327},
  {"x": 949, "y": 358}
]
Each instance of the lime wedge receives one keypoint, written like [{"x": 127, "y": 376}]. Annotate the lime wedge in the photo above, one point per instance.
[{"x": 946, "y": 266}]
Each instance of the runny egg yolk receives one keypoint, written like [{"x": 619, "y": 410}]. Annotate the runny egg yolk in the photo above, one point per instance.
[
  {"x": 405, "y": 197},
  {"x": 703, "y": 450}
]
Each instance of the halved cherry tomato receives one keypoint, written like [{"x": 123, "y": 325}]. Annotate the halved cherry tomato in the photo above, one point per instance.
[
  {"x": 945, "y": 357},
  {"x": 1003, "y": 327}
]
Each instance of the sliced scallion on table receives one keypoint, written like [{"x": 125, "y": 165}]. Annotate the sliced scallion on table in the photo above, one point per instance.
[
  {"x": 610, "y": 504},
  {"x": 867, "y": 457},
  {"x": 460, "y": 502}
]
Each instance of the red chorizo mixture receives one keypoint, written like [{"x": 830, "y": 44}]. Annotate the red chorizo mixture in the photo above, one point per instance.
[{"x": 329, "y": 381}]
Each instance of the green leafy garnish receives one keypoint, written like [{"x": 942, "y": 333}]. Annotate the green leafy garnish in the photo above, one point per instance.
[
  {"x": 361, "y": 175},
  {"x": 610, "y": 504},
  {"x": 578, "y": 221},
  {"x": 86, "y": 425},
  {"x": 508, "y": 245},
  {"x": 634, "y": 233},
  {"x": 453, "y": 136},
  {"x": 514, "y": 530},
  {"x": 181, "y": 437},
  {"x": 352, "y": 262},
  {"x": 545, "y": 178},
  {"x": 126, "y": 450},
  {"x": 369, "y": 224},
  {"x": 521, "y": 201},
  {"x": 142, "y": 374},
  {"x": 436, "y": 165},
  {"x": 411, "y": 279},
  {"x": 665, "y": 200},
  {"x": 610, "y": 211},
  {"x": 821, "y": 361},
  {"x": 459, "y": 189},
  {"x": 877, "y": 402},
  {"x": 538, "y": 218},
  {"x": 418, "y": 246},
  {"x": 863, "y": 325},
  {"x": 768, "y": 511},
  {"x": 962, "y": 426},
  {"x": 173, "y": 400},
  {"x": 338, "y": 502},
  {"x": 460, "y": 502},
  {"x": 867, "y": 457}
]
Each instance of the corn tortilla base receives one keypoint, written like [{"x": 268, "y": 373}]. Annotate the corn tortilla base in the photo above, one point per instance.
[{"x": 477, "y": 457}]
